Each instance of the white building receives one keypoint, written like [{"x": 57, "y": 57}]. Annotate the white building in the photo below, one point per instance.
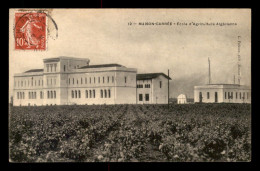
[
  {"x": 152, "y": 88},
  {"x": 182, "y": 99},
  {"x": 67, "y": 81},
  {"x": 222, "y": 93}
]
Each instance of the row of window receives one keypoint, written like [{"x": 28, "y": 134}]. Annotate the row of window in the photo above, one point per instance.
[
  {"x": 20, "y": 95},
  {"x": 51, "y": 81},
  {"x": 90, "y": 80},
  {"x": 141, "y": 97},
  {"x": 28, "y": 83},
  {"x": 33, "y": 95},
  {"x": 91, "y": 93},
  {"x": 229, "y": 95},
  {"x": 51, "y": 67}
]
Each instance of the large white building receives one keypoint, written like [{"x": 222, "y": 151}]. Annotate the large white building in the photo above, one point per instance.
[
  {"x": 67, "y": 81},
  {"x": 222, "y": 93}
]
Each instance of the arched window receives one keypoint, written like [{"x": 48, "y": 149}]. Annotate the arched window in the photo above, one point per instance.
[
  {"x": 109, "y": 94},
  {"x": 76, "y": 94},
  {"x": 79, "y": 94},
  {"x": 51, "y": 94},
  {"x": 94, "y": 94},
  {"x": 90, "y": 94},
  {"x": 101, "y": 93},
  {"x": 54, "y": 93},
  {"x": 86, "y": 93},
  {"x": 72, "y": 93},
  {"x": 105, "y": 93}
]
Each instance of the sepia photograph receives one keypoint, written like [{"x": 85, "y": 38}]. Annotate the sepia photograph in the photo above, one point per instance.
[{"x": 129, "y": 85}]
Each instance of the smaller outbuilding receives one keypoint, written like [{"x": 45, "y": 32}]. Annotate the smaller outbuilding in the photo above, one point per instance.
[{"x": 182, "y": 99}]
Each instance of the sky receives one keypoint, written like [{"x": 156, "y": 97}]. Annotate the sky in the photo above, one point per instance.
[{"x": 105, "y": 36}]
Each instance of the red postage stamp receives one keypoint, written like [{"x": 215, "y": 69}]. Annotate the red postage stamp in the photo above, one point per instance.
[{"x": 30, "y": 31}]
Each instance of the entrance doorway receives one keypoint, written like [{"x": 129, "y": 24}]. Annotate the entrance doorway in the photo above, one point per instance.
[
  {"x": 200, "y": 97},
  {"x": 216, "y": 97}
]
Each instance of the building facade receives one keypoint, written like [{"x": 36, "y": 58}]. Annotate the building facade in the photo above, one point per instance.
[
  {"x": 68, "y": 81},
  {"x": 222, "y": 93},
  {"x": 152, "y": 88}
]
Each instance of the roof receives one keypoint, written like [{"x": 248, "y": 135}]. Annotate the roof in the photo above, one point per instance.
[
  {"x": 57, "y": 59},
  {"x": 148, "y": 76},
  {"x": 34, "y": 70},
  {"x": 101, "y": 66}
]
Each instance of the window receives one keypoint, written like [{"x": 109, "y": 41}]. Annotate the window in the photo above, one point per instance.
[
  {"x": 69, "y": 80},
  {"x": 98, "y": 79},
  {"x": 42, "y": 82},
  {"x": 105, "y": 93},
  {"x": 244, "y": 95},
  {"x": 225, "y": 95},
  {"x": 228, "y": 95},
  {"x": 231, "y": 95},
  {"x": 54, "y": 94},
  {"x": 17, "y": 95},
  {"x": 76, "y": 94},
  {"x": 41, "y": 94},
  {"x": 72, "y": 93},
  {"x": 47, "y": 67},
  {"x": 247, "y": 95},
  {"x": 90, "y": 80},
  {"x": 86, "y": 93},
  {"x": 101, "y": 93},
  {"x": 94, "y": 80},
  {"x": 51, "y": 67},
  {"x": 18, "y": 83},
  {"x": 54, "y": 81},
  {"x": 140, "y": 97},
  {"x": 73, "y": 81},
  {"x": 77, "y": 81},
  {"x": 48, "y": 94},
  {"x": 21, "y": 83},
  {"x": 109, "y": 93},
  {"x": 112, "y": 79},
  {"x": 64, "y": 68},
  {"x": 81, "y": 80},
  {"x": 94, "y": 94},
  {"x": 236, "y": 95},
  {"x": 55, "y": 66},
  {"x": 39, "y": 82},
  {"x": 23, "y": 95},
  {"x": 125, "y": 79},
  {"x": 160, "y": 84},
  {"x": 90, "y": 94},
  {"x": 146, "y": 97},
  {"x": 79, "y": 94},
  {"x": 35, "y": 82},
  {"x": 207, "y": 95},
  {"x": 240, "y": 95},
  {"x": 103, "y": 79},
  {"x": 108, "y": 79},
  {"x": 51, "y": 95},
  {"x": 85, "y": 80}
]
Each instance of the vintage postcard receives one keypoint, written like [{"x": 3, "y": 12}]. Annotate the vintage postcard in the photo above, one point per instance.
[{"x": 129, "y": 85}]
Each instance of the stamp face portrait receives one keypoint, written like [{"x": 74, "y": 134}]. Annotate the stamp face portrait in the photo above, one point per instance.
[{"x": 30, "y": 31}]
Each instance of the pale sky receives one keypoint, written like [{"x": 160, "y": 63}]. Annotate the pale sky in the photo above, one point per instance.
[{"x": 104, "y": 36}]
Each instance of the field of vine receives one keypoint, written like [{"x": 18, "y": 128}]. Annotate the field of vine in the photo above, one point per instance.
[{"x": 130, "y": 133}]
